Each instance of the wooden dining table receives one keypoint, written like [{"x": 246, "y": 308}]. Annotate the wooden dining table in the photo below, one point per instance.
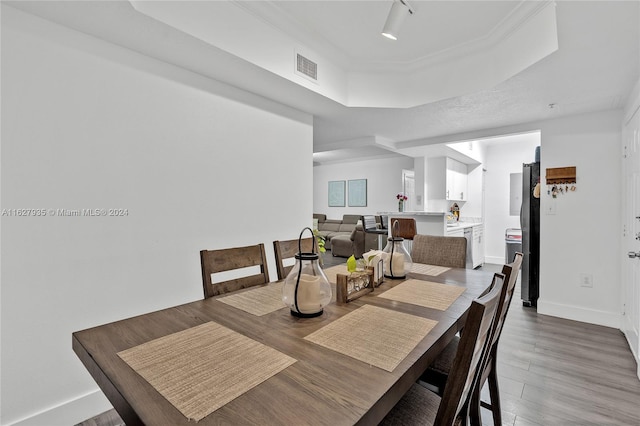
[{"x": 316, "y": 386}]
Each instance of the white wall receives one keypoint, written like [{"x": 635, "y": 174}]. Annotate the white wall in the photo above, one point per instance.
[
  {"x": 89, "y": 125},
  {"x": 384, "y": 182},
  {"x": 502, "y": 159},
  {"x": 583, "y": 236}
]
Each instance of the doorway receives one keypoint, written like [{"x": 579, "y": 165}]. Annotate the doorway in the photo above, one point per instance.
[
  {"x": 409, "y": 189},
  {"x": 631, "y": 236}
]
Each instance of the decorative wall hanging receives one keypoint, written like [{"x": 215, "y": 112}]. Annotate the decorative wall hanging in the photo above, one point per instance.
[
  {"x": 358, "y": 193},
  {"x": 560, "y": 180},
  {"x": 336, "y": 193}
]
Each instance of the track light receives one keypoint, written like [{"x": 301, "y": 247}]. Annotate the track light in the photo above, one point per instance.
[{"x": 400, "y": 9}]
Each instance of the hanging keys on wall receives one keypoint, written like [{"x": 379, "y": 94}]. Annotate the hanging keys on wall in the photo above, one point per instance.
[{"x": 561, "y": 180}]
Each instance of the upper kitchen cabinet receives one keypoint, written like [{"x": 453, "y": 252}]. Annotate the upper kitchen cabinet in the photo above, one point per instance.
[{"x": 446, "y": 179}]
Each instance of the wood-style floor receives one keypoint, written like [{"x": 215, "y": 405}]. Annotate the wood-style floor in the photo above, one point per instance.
[
  {"x": 554, "y": 371},
  {"x": 551, "y": 372}
]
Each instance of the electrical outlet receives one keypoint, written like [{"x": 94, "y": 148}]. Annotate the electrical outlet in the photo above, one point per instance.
[{"x": 586, "y": 280}]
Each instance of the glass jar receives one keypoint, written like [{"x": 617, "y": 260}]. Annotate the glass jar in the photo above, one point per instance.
[{"x": 397, "y": 262}]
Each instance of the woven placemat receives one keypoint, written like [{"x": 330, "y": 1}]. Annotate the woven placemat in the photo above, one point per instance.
[
  {"x": 200, "y": 369},
  {"x": 374, "y": 335},
  {"x": 433, "y": 270},
  {"x": 258, "y": 301},
  {"x": 424, "y": 293},
  {"x": 333, "y": 271}
]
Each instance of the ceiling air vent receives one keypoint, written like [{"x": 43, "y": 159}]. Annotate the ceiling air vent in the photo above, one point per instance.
[{"x": 306, "y": 67}]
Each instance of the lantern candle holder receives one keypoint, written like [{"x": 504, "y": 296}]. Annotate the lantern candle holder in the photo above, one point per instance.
[
  {"x": 397, "y": 263},
  {"x": 306, "y": 290}
]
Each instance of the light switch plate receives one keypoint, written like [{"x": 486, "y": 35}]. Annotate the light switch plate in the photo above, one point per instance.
[
  {"x": 550, "y": 208},
  {"x": 586, "y": 280}
]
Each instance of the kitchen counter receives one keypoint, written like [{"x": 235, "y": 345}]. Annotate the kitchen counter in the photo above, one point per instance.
[
  {"x": 415, "y": 213},
  {"x": 461, "y": 225},
  {"x": 427, "y": 223},
  {"x": 434, "y": 223}
]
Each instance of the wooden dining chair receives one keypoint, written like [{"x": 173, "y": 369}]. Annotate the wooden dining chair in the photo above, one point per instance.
[
  {"x": 437, "y": 374},
  {"x": 419, "y": 406},
  {"x": 441, "y": 251},
  {"x": 214, "y": 261},
  {"x": 286, "y": 250}
]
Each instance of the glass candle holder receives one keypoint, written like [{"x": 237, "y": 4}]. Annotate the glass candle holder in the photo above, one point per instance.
[
  {"x": 306, "y": 290},
  {"x": 398, "y": 261}
]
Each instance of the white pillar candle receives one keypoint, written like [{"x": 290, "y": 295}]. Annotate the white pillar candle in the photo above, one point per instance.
[
  {"x": 397, "y": 263},
  {"x": 309, "y": 294}
]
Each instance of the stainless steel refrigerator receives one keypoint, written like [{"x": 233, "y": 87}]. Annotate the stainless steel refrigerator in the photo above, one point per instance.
[{"x": 530, "y": 224}]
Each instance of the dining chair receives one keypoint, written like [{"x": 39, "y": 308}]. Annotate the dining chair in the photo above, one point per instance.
[
  {"x": 437, "y": 373},
  {"x": 441, "y": 251},
  {"x": 419, "y": 406},
  {"x": 214, "y": 261},
  {"x": 286, "y": 250}
]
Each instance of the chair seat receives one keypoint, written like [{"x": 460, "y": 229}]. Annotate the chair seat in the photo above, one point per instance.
[
  {"x": 418, "y": 406},
  {"x": 437, "y": 373},
  {"x": 443, "y": 363}
]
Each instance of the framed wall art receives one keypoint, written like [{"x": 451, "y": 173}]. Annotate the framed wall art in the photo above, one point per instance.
[
  {"x": 336, "y": 193},
  {"x": 358, "y": 193}
]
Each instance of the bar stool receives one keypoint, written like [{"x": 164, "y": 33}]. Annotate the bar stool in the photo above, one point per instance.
[
  {"x": 406, "y": 229},
  {"x": 370, "y": 226}
]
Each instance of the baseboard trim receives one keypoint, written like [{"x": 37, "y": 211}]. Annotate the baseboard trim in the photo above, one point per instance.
[
  {"x": 71, "y": 412},
  {"x": 632, "y": 340},
  {"x": 495, "y": 260},
  {"x": 577, "y": 313}
]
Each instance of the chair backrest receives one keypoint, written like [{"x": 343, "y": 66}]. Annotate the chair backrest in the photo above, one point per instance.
[
  {"x": 406, "y": 227},
  {"x": 384, "y": 221},
  {"x": 369, "y": 223},
  {"x": 286, "y": 250},
  {"x": 213, "y": 261},
  {"x": 472, "y": 350},
  {"x": 440, "y": 251},
  {"x": 510, "y": 271}
]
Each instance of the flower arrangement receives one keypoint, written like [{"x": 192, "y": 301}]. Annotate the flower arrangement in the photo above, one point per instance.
[{"x": 401, "y": 199}]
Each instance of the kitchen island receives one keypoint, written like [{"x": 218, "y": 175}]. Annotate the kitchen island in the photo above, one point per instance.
[
  {"x": 427, "y": 223},
  {"x": 435, "y": 223}
]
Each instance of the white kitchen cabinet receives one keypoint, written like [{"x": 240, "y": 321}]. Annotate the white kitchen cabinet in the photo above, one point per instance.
[
  {"x": 477, "y": 252},
  {"x": 446, "y": 179},
  {"x": 475, "y": 242},
  {"x": 455, "y": 232}
]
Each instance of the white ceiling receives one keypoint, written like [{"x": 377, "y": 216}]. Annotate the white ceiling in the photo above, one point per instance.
[
  {"x": 352, "y": 28},
  {"x": 593, "y": 66}
]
